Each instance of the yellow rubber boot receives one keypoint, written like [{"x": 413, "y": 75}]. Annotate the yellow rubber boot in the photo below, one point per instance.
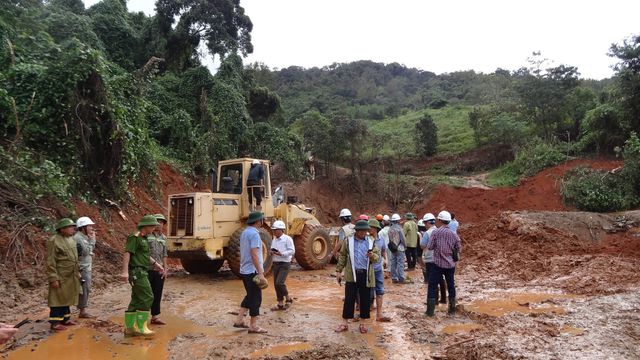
[
  {"x": 142, "y": 319},
  {"x": 130, "y": 328}
]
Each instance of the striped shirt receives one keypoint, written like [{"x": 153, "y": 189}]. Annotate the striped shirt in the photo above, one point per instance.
[{"x": 442, "y": 241}]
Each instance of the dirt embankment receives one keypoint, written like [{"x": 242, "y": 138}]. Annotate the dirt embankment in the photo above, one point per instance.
[
  {"x": 540, "y": 192},
  {"x": 23, "y": 279}
]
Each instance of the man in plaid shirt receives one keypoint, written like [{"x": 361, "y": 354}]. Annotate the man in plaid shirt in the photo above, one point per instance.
[{"x": 443, "y": 241}]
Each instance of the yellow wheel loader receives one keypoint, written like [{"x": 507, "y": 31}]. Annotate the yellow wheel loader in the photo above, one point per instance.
[{"x": 204, "y": 227}]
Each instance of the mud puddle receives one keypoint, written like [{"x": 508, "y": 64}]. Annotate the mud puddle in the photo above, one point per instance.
[{"x": 461, "y": 328}]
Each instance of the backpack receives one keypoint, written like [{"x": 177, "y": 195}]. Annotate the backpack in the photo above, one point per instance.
[{"x": 394, "y": 240}]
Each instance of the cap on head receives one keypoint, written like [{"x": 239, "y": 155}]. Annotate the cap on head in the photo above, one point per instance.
[
  {"x": 363, "y": 217},
  {"x": 375, "y": 224},
  {"x": 428, "y": 217},
  {"x": 84, "y": 221},
  {"x": 379, "y": 217},
  {"x": 148, "y": 220},
  {"x": 444, "y": 216},
  {"x": 408, "y": 216},
  {"x": 344, "y": 213},
  {"x": 420, "y": 222},
  {"x": 255, "y": 217},
  {"x": 160, "y": 217},
  {"x": 386, "y": 218},
  {"x": 278, "y": 225},
  {"x": 395, "y": 217},
  {"x": 255, "y": 162},
  {"x": 63, "y": 223},
  {"x": 362, "y": 225}
]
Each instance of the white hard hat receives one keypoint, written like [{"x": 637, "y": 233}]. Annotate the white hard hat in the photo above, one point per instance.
[
  {"x": 386, "y": 218},
  {"x": 395, "y": 217},
  {"x": 420, "y": 222},
  {"x": 278, "y": 224},
  {"x": 84, "y": 221},
  {"x": 428, "y": 217},
  {"x": 444, "y": 216},
  {"x": 255, "y": 162},
  {"x": 345, "y": 212}
]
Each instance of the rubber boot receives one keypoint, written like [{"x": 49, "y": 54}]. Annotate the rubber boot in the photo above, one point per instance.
[
  {"x": 130, "y": 324},
  {"x": 452, "y": 306},
  {"x": 142, "y": 322},
  {"x": 431, "y": 307}
]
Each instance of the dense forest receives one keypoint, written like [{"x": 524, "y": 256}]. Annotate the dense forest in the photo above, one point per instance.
[{"x": 92, "y": 99}]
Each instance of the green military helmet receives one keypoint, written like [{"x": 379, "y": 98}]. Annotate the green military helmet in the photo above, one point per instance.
[
  {"x": 160, "y": 217},
  {"x": 362, "y": 225},
  {"x": 255, "y": 217},
  {"x": 408, "y": 216},
  {"x": 375, "y": 223},
  {"x": 63, "y": 223},
  {"x": 148, "y": 220}
]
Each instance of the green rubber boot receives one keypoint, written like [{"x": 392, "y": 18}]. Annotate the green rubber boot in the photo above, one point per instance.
[
  {"x": 431, "y": 307},
  {"x": 130, "y": 324},
  {"x": 142, "y": 319},
  {"x": 452, "y": 306}
]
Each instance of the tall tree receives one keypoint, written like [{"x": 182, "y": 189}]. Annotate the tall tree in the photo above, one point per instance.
[
  {"x": 628, "y": 77},
  {"x": 426, "y": 136},
  {"x": 221, "y": 24}
]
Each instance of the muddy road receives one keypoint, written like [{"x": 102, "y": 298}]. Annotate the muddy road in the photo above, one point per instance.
[{"x": 531, "y": 321}]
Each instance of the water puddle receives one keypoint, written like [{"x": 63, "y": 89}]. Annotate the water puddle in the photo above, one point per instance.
[
  {"x": 461, "y": 328},
  {"x": 571, "y": 330},
  {"x": 280, "y": 349},
  {"x": 519, "y": 303},
  {"x": 86, "y": 343}
]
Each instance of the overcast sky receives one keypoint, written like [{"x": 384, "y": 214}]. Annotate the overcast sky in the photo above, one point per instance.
[{"x": 438, "y": 36}]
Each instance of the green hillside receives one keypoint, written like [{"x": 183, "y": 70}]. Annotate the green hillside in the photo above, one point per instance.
[{"x": 398, "y": 133}]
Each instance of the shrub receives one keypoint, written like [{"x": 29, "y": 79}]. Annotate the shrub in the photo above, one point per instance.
[
  {"x": 597, "y": 190},
  {"x": 529, "y": 160}
]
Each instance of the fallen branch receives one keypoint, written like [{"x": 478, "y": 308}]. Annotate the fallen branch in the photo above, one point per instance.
[
  {"x": 457, "y": 343},
  {"x": 120, "y": 212}
]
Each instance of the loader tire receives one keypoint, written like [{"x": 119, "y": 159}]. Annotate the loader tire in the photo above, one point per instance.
[
  {"x": 201, "y": 266},
  {"x": 232, "y": 252},
  {"x": 313, "y": 247}
]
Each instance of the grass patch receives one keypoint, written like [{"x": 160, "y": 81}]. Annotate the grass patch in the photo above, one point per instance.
[{"x": 397, "y": 134}]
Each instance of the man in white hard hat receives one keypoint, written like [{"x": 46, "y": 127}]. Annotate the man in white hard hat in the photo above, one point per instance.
[
  {"x": 427, "y": 255},
  {"x": 397, "y": 246},
  {"x": 347, "y": 230},
  {"x": 446, "y": 248},
  {"x": 255, "y": 180},
  {"x": 283, "y": 250},
  {"x": 85, "y": 239}
]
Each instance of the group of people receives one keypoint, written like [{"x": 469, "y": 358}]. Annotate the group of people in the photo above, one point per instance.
[
  {"x": 69, "y": 261},
  {"x": 362, "y": 250}
]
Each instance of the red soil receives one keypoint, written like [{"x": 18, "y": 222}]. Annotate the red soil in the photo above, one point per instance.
[{"x": 540, "y": 192}]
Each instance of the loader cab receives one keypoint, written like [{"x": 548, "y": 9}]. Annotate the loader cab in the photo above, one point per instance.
[{"x": 232, "y": 179}]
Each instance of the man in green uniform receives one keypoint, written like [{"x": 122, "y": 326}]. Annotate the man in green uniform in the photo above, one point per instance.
[
  {"x": 410, "y": 231},
  {"x": 158, "y": 251},
  {"x": 63, "y": 274},
  {"x": 135, "y": 263}
]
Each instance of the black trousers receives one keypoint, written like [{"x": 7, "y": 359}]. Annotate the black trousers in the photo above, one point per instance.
[
  {"x": 442, "y": 285},
  {"x": 280, "y": 272},
  {"x": 412, "y": 257},
  {"x": 435, "y": 277},
  {"x": 59, "y": 314},
  {"x": 354, "y": 289},
  {"x": 157, "y": 284},
  {"x": 255, "y": 191},
  {"x": 253, "y": 299}
]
